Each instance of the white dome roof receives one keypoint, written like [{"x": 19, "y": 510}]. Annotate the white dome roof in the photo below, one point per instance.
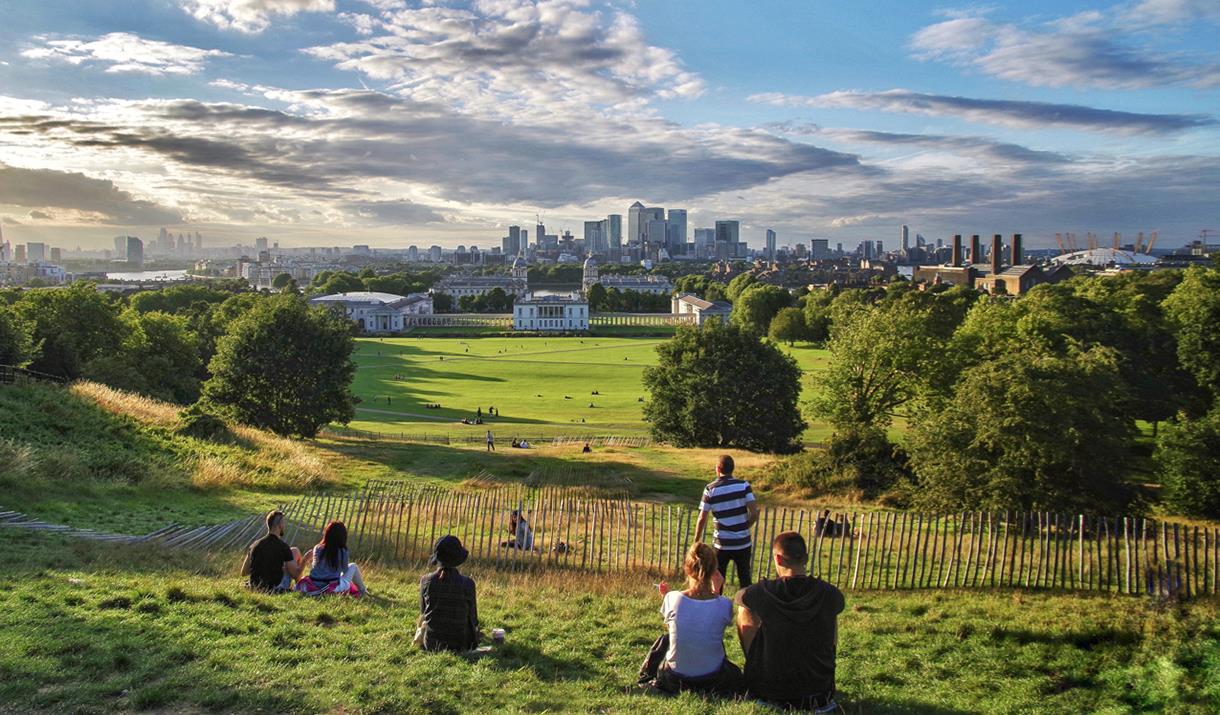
[{"x": 1104, "y": 257}]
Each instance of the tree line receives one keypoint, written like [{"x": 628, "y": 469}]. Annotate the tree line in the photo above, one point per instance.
[{"x": 264, "y": 360}]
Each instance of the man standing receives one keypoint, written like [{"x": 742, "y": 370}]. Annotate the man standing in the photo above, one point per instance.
[
  {"x": 271, "y": 564},
  {"x": 788, "y": 628},
  {"x": 731, "y": 503},
  {"x": 491, "y": 442}
]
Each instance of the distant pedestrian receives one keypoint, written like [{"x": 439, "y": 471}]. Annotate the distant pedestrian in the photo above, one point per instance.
[
  {"x": 478, "y": 412},
  {"x": 491, "y": 442}
]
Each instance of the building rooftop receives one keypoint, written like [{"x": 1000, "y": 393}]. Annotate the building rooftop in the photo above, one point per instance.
[{"x": 370, "y": 297}]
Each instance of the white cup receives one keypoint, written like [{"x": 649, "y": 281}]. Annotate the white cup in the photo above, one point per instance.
[{"x": 497, "y": 635}]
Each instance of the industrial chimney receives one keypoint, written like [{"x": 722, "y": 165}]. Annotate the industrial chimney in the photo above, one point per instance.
[
  {"x": 997, "y": 254},
  {"x": 957, "y": 250},
  {"x": 976, "y": 256},
  {"x": 1018, "y": 257}
]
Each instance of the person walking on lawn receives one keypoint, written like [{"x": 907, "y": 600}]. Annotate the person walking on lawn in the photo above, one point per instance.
[
  {"x": 491, "y": 442},
  {"x": 730, "y": 502}
]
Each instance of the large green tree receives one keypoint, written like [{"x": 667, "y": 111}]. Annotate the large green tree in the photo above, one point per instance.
[
  {"x": 1193, "y": 310},
  {"x": 1026, "y": 430},
  {"x": 159, "y": 357},
  {"x": 1188, "y": 455},
  {"x": 788, "y": 326},
  {"x": 757, "y": 306},
  {"x": 284, "y": 366},
  {"x": 73, "y": 325},
  {"x": 16, "y": 338},
  {"x": 720, "y": 386},
  {"x": 738, "y": 285}
]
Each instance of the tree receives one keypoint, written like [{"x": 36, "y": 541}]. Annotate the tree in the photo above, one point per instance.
[
  {"x": 159, "y": 358},
  {"x": 758, "y": 305},
  {"x": 442, "y": 302},
  {"x": 1026, "y": 430},
  {"x": 817, "y": 314},
  {"x": 284, "y": 366},
  {"x": 788, "y": 326},
  {"x": 281, "y": 281},
  {"x": 719, "y": 386},
  {"x": 1188, "y": 455},
  {"x": 73, "y": 326},
  {"x": 16, "y": 338},
  {"x": 342, "y": 283},
  {"x": 738, "y": 285},
  {"x": 881, "y": 358},
  {"x": 597, "y": 297},
  {"x": 1193, "y": 310},
  {"x": 175, "y": 299}
]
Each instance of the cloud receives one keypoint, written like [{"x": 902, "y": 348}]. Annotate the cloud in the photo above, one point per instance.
[
  {"x": 40, "y": 215},
  {"x": 964, "y": 145},
  {"x": 1174, "y": 12},
  {"x": 511, "y": 56},
  {"x": 1005, "y": 112},
  {"x": 393, "y": 212},
  {"x": 250, "y": 16},
  {"x": 1091, "y": 49},
  {"x": 124, "y": 52},
  {"x": 97, "y": 200}
]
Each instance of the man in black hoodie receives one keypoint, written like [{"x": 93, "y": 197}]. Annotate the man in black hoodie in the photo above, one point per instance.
[{"x": 788, "y": 630}]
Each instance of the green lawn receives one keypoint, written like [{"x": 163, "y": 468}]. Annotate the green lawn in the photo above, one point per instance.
[
  {"x": 95, "y": 629},
  {"x": 541, "y": 386}
]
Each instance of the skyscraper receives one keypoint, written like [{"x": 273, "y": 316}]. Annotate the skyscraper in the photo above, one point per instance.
[
  {"x": 120, "y": 248},
  {"x": 728, "y": 232},
  {"x": 906, "y": 238},
  {"x": 260, "y": 243},
  {"x": 770, "y": 245},
  {"x": 135, "y": 251},
  {"x": 19, "y": 253},
  {"x": 35, "y": 252},
  {"x": 511, "y": 244},
  {"x": 656, "y": 234},
  {"x": 635, "y": 231},
  {"x": 819, "y": 249},
  {"x": 614, "y": 234},
  {"x": 676, "y": 232},
  {"x": 594, "y": 243}
]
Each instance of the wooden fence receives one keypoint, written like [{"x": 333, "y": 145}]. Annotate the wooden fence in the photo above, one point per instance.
[{"x": 393, "y": 521}]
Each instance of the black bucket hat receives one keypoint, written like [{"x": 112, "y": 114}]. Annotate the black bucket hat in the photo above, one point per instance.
[{"x": 448, "y": 552}]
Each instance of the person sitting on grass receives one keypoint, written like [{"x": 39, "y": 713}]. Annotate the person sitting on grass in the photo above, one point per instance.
[
  {"x": 331, "y": 572},
  {"x": 271, "y": 564},
  {"x": 586, "y": 449},
  {"x": 690, "y": 655},
  {"x": 448, "y": 610},
  {"x": 523, "y": 535},
  {"x": 788, "y": 628}
]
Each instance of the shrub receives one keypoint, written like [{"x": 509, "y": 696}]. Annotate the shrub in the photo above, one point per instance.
[
  {"x": 1188, "y": 455},
  {"x": 197, "y": 422},
  {"x": 857, "y": 460}
]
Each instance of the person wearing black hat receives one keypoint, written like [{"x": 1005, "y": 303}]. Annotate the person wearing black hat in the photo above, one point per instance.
[{"x": 449, "y": 613}]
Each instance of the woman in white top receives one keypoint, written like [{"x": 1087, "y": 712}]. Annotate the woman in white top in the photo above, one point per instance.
[{"x": 690, "y": 655}]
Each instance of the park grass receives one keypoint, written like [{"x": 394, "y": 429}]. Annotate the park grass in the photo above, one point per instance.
[{"x": 97, "y": 629}]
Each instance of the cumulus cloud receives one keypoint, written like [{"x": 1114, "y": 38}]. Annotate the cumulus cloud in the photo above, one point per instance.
[
  {"x": 1090, "y": 49},
  {"x": 250, "y": 16},
  {"x": 1174, "y": 12},
  {"x": 123, "y": 52},
  {"x": 512, "y": 56},
  {"x": 97, "y": 200},
  {"x": 1005, "y": 112},
  {"x": 393, "y": 212}
]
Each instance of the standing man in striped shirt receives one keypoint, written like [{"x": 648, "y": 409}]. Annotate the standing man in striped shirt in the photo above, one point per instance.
[{"x": 731, "y": 503}]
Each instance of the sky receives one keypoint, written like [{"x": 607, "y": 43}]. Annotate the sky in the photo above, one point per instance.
[{"x": 399, "y": 122}]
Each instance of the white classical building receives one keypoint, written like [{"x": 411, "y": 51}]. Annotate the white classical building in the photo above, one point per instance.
[
  {"x": 551, "y": 313},
  {"x": 516, "y": 283},
  {"x": 702, "y": 310},
  {"x": 378, "y": 312},
  {"x": 638, "y": 283}
]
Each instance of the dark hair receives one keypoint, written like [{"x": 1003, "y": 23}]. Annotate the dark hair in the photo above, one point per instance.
[
  {"x": 790, "y": 545},
  {"x": 725, "y": 464},
  {"x": 274, "y": 517},
  {"x": 334, "y": 541}
]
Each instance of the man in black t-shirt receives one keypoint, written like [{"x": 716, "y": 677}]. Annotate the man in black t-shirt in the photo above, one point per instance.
[
  {"x": 271, "y": 564},
  {"x": 788, "y": 628}
]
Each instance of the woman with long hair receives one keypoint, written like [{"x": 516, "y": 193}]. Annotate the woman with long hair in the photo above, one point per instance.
[
  {"x": 331, "y": 571},
  {"x": 690, "y": 655},
  {"x": 448, "y": 611}
]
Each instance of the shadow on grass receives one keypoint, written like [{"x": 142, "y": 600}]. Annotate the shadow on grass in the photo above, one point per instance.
[{"x": 516, "y": 655}]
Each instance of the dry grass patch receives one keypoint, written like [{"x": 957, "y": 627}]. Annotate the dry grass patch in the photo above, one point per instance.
[{"x": 144, "y": 409}]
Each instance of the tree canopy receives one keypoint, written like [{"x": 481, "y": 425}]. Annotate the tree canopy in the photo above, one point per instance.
[
  {"x": 720, "y": 386},
  {"x": 72, "y": 326},
  {"x": 757, "y": 306},
  {"x": 788, "y": 326},
  {"x": 284, "y": 366}
]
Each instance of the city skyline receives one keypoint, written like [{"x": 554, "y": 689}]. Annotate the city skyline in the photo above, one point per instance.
[{"x": 387, "y": 123}]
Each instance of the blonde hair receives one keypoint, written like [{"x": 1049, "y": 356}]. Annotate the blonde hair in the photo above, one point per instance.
[{"x": 700, "y": 566}]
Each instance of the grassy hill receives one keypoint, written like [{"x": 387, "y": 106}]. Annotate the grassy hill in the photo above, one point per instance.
[{"x": 92, "y": 628}]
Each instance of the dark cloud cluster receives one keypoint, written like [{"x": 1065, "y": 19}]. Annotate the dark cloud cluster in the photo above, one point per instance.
[{"x": 98, "y": 199}]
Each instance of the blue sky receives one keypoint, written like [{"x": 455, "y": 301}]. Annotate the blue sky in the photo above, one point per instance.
[{"x": 391, "y": 122}]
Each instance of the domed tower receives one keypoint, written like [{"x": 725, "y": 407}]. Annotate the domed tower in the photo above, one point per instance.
[
  {"x": 520, "y": 271},
  {"x": 590, "y": 275}
]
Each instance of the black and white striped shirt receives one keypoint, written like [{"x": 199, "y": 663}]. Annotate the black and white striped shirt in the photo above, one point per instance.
[{"x": 726, "y": 498}]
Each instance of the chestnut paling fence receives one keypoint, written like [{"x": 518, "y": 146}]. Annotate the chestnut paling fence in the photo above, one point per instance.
[{"x": 394, "y": 521}]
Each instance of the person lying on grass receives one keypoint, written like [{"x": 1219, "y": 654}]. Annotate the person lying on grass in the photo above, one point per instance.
[
  {"x": 448, "y": 609},
  {"x": 271, "y": 564},
  {"x": 690, "y": 654},
  {"x": 788, "y": 628},
  {"x": 331, "y": 572},
  {"x": 523, "y": 535}
]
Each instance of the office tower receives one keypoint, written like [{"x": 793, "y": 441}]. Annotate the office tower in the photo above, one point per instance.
[
  {"x": 728, "y": 232},
  {"x": 656, "y": 234},
  {"x": 819, "y": 249},
  {"x": 5, "y": 249},
  {"x": 35, "y": 252},
  {"x": 135, "y": 251},
  {"x": 676, "y": 232},
  {"x": 880, "y": 249},
  {"x": 513, "y": 247},
  {"x": 198, "y": 241},
  {"x": 434, "y": 253},
  {"x": 906, "y": 238},
  {"x": 593, "y": 237},
  {"x": 57, "y": 255},
  {"x": 539, "y": 234},
  {"x": 635, "y": 231},
  {"x": 770, "y": 245},
  {"x": 182, "y": 245},
  {"x": 614, "y": 234},
  {"x": 839, "y": 248},
  {"x": 260, "y": 243},
  {"x": 19, "y": 253},
  {"x": 120, "y": 248},
  {"x": 413, "y": 254}
]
